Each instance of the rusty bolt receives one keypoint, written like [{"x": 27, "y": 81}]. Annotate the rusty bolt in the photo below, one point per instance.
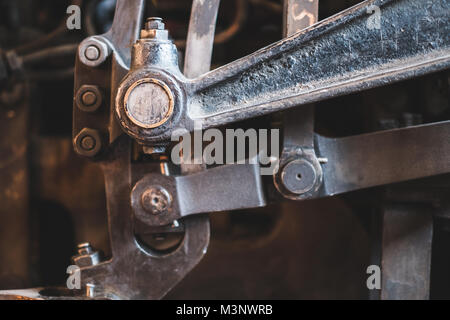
[
  {"x": 89, "y": 98},
  {"x": 156, "y": 200},
  {"x": 88, "y": 142}
]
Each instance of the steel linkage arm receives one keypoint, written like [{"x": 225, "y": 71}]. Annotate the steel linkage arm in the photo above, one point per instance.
[
  {"x": 347, "y": 164},
  {"x": 371, "y": 44},
  {"x": 384, "y": 157}
]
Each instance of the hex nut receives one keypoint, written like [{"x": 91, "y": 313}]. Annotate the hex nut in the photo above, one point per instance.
[
  {"x": 154, "y": 23},
  {"x": 89, "y": 98},
  {"x": 155, "y": 29},
  {"x": 155, "y": 34},
  {"x": 88, "y": 142}
]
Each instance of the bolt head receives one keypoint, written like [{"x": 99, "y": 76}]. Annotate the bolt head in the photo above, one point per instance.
[
  {"x": 299, "y": 176},
  {"x": 92, "y": 53},
  {"x": 88, "y": 142},
  {"x": 89, "y": 98},
  {"x": 154, "y": 29},
  {"x": 156, "y": 200}
]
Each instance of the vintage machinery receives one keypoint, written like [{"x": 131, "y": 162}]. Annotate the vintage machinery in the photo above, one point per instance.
[{"x": 130, "y": 96}]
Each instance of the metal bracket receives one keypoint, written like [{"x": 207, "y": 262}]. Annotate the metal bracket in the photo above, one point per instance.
[{"x": 229, "y": 187}]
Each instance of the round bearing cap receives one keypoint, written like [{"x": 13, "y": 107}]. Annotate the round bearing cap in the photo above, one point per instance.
[{"x": 149, "y": 103}]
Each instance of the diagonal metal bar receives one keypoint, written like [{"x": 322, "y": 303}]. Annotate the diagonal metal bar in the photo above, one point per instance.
[
  {"x": 385, "y": 157},
  {"x": 200, "y": 39},
  {"x": 124, "y": 31},
  {"x": 345, "y": 53}
]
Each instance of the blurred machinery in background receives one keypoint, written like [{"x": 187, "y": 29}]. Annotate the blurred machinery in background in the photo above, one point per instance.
[{"x": 362, "y": 104}]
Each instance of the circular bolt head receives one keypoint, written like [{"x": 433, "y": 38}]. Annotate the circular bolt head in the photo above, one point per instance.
[
  {"x": 149, "y": 103},
  {"x": 298, "y": 176},
  {"x": 92, "y": 53},
  {"x": 89, "y": 98},
  {"x": 88, "y": 142},
  {"x": 156, "y": 200}
]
